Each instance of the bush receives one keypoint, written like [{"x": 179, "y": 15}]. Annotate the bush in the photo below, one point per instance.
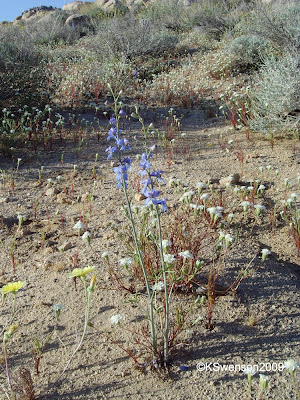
[
  {"x": 215, "y": 17},
  {"x": 276, "y": 97},
  {"x": 277, "y": 22},
  {"x": 248, "y": 51},
  {"x": 170, "y": 14},
  {"x": 129, "y": 36}
]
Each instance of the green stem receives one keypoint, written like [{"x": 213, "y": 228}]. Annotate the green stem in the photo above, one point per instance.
[
  {"x": 294, "y": 384},
  {"x": 87, "y": 313},
  {"x": 150, "y": 298},
  {"x": 164, "y": 271},
  {"x": 6, "y": 364}
]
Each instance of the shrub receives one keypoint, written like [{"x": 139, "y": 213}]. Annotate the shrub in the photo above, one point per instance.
[
  {"x": 248, "y": 51},
  {"x": 130, "y": 37},
  {"x": 277, "y": 22},
  {"x": 276, "y": 96},
  {"x": 171, "y": 14},
  {"x": 215, "y": 17}
]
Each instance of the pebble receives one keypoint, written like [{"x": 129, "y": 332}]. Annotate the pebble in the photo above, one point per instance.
[
  {"x": 65, "y": 246},
  {"x": 4, "y": 200},
  {"x": 231, "y": 179},
  {"x": 139, "y": 197}
]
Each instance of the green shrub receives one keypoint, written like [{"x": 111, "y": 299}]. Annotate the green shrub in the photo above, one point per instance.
[
  {"x": 276, "y": 97},
  {"x": 170, "y": 14},
  {"x": 129, "y": 36},
  {"x": 215, "y": 17},
  {"x": 277, "y": 22},
  {"x": 249, "y": 51}
]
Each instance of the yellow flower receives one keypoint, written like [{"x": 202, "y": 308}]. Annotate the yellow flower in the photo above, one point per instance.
[
  {"x": 81, "y": 272},
  {"x": 11, "y": 330},
  {"x": 12, "y": 287}
]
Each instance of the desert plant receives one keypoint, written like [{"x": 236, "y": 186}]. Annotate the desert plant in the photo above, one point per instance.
[
  {"x": 248, "y": 51},
  {"x": 275, "y": 98},
  {"x": 278, "y": 23}
]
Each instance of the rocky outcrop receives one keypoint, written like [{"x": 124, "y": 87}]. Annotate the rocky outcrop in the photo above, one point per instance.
[
  {"x": 78, "y": 21},
  {"x": 74, "y": 5},
  {"x": 36, "y": 12}
]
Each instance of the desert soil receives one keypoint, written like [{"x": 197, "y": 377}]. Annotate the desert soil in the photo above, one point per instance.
[{"x": 101, "y": 370}]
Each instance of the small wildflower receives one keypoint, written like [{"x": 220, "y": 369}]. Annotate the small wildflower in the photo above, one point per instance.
[
  {"x": 230, "y": 217},
  {"x": 81, "y": 272},
  {"x": 291, "y": 365},
  {"x": 166, "y": 243},
  {"x": 169, "y": 258},
  {"x": 265, "y": 253},
  {"x": 186, "y": 254},
  {"x": 79, "y": 226},
  {"x": 12, "y": 287},
  {"x": 87, "y": 236},
  {"x": 259, "y": 208},
  {"x": 245, "y": 205},
  {"x": 125, "y": 262},
  {"x": 158, "y": 287},
  {"x": 263, "y": 381},
  {"x": 105, "y": 255},
  {"x": 116, "y": 319},
  {"x": 57, "y": 308}
]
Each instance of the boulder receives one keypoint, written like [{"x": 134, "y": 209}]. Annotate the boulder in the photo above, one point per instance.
[
  {"x": 36, "y": 12},
  {"x": 77, "y": 21},
  {"x": 73, "y": 6}
]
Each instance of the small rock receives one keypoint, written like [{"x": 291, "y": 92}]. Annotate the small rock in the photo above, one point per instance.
[
  {"x": 51, "y": 192},
  {"x": 114, "y": 164},
  {"x": 231, "y": 180},
  {"x": 4, "y": 200},
  {"x": 65, "y": 246},
  {"x": 139, "y": 197},
  {"x": 61, "y": 198},
  {"x": 85, "y": 197}
]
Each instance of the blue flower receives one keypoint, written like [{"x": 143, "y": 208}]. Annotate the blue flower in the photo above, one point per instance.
[
  {"x": 113, "y": 121},
  {"x": 112, "y": 133},
  {"x": 121, "y": 172},
  {"x": 111, "y": 150},
  {"x": 122, "y": 113}
]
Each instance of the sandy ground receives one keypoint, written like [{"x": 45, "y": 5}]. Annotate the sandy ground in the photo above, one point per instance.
[{"x": 101, "y": 370}]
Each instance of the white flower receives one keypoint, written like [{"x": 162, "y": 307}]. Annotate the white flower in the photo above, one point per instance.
[
  {"x": 158, "y": 287},
  {"x": 196, "y": 207},
  {"x": 294, "y": 196},
  {"x": 287, "y": 182},
  {"x": 259, "y": 208},
  {"x": 87, "y": 236},
  {"x": 50, "y": 181},
  {"x": 228, "y": 239},
  {"x": 169, "y": 258},
  {"x": 105, "y": 254},
  {"x": 59, "y": 178},
  {"x": 116, "y": 319},
  {"x": 250, "y": 370},
  {"x": 245, "y": 205},
  {"x": 265, "y": 253},
  {"x": 125, "y": 261},
  {"x": 230, "y": 217},
  {"x": 291, "y": 365},
  {"x": 201, "y": 186},
  {"x": 221, "y": 236},
  {"x": 79, "y": 225},
  {"x": 261, "y": 188},
  {"x": 186, "y": 254},
  {"x": 205, "y": 196},
  {"x": 166, "y": 243},
  {"x": 187, "y": 196}
]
